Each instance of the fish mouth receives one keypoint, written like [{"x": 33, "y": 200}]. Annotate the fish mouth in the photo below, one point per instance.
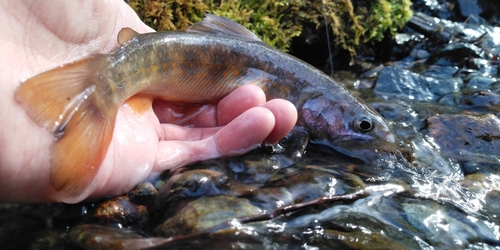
[
  {"x": 353, "y": 137},
  {"x": 360, "y": 146}
]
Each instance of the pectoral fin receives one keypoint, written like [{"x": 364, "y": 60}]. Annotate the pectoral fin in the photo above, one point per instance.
[{"x": 140, "y": 103}]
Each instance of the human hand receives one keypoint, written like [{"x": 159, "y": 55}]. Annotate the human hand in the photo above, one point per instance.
[{"x": 38, "y": 36}]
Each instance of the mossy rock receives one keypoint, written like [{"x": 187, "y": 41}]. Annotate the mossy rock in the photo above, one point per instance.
[{"x": 276, "y": 22}]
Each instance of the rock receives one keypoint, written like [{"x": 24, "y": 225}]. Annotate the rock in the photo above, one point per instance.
[
  {"x": 143, "y": 194},
  {"x": 404, "y": 84},
  {"x": 465, "y": 138},
  {"x": 434, "y": 224},
  {"x": 119, "y": 210},
  {"x": 485, "y": 101},
  {"x": 455, "y": 54},
  {"x": 88, "y": 236},
  {"x": 205, "y": 213}
]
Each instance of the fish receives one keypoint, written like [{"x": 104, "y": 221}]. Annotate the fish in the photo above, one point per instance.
[{"x": 78, "y": 101}]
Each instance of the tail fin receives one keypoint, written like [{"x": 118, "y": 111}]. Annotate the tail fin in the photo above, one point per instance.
[{"x": 63, "y": 101}]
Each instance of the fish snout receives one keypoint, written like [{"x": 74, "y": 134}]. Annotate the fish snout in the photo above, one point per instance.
[{"x": 367, "y": 138}]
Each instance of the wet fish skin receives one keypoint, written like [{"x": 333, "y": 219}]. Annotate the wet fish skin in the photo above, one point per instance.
[
  {"x": 195, "y": 66},
  {"x": 78, "y": 102}
]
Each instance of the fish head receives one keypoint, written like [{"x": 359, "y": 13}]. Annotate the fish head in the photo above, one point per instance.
[{"x": 350, "y": 127}]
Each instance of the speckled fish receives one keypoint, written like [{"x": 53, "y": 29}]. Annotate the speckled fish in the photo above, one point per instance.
[{"x": 78, "y": 102}]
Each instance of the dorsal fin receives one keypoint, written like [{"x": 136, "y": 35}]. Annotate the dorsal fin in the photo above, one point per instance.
[
  {"x": 217, "y": 25},
  {"x": 126, "y": 34}
]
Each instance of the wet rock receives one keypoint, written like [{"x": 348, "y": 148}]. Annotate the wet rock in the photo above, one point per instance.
[
  {"x": 439, "y": 72},
  {"x": 484, "y": 8},
  {"x": 482, "y": 101},
  {"x": 67, "y": 215},
  {"x": 455, "y": 54},
  {"x": 258, "y": 168},
  {"x": 143, "y": 194},
  {"x": 313, "y": 183},
  {"x": 435, "y": 224},
  {"x": 404, "y": 84},
  {"x": 272, "y": 197},
  {"x": 491, "y": 207},
  {"x": 205, "y": 213},
  {"x": 89, "y": 236},
  {"x": 466, "y": 138},
  {"x": 405, "y": 112},
  {"x": 300, "y": 186},
  {"x": 440, "y": 9},
  {"x": 292, "y": 145},
  {"x": 487, "y": 188},
  {"x": 359, "y": 239},
  {"x": 475, "y": 82},
  {"x": 20, "y": 224},
  {"x": 186, "y": 186},
  {"x": 470, "y": 7},
  {"x": 473, "y": 34},
  {"x": 376, "y": 213},
  {"x": 49, "y": 239},
  {"x": 119, "y": 211},
  {"x": 194, "y": 183}
]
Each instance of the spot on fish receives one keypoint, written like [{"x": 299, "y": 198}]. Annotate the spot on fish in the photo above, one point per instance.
[
  {"x": 197, "y": 76},
  {"x": 112, "y": 87}
]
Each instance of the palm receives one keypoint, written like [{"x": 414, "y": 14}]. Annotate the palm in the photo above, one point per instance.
[{"x": 39, "y": 41}]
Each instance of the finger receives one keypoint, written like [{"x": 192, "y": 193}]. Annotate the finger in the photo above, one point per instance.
[
  {"x": 231, "y": 106},
  {"x": 239, "y": 101},
  {"x": 242, "y": 134},
  {"x": 238, "y": 137},
  {"x": 175, "y": 154},
  {"x": 171, "y": 132},
  {"x": 245, "y": 132},
  {"x": 285, "y": 115}
]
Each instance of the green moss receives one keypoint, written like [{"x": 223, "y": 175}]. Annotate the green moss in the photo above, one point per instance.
[
  {"x": 276, "y": 22},
  {"x": 387, "y": 16}
]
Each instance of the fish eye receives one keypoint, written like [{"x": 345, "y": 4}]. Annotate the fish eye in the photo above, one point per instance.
[{"x": 363, "y": 124}]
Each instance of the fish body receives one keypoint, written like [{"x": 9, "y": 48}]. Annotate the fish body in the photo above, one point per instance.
[{"x": 78, "y": 102}]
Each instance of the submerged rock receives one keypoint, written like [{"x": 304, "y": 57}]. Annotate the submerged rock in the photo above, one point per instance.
[
  {"x": 485, "y": 101},
  {"x": 465, "y": 138},
  {"x": 206, "y": 213},
  {"x": 119, "y": 211},
  {"x": 402, "y": 83},
  {"x": 455, "y": 54},
  {"x": 89, "y": 236}
]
